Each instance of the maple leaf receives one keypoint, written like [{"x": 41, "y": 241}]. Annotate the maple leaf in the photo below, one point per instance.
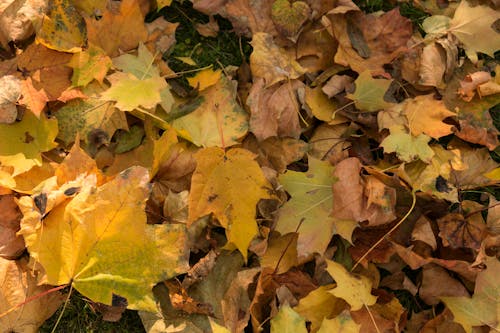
[
  {"x": 118, "y": 31},
  {"x": 343, "y": 323},
  {"x": 353, "y": 288},
  {"x": 88, "y": 65},
  {"x": 288, "y": 321},
  {"x": 218, "y": 121},
  {"x": 385, "y": 37},
  {"x": 484, "y": 306},
  {"x": 369, "y": 93},
  {"x": 274, "y": 110},
  {"x": 82, "y": 241},
  {"x": 473, "y": 27},
  {"x": 130, "y": 93},
  {"x": 229, "y": 185},
  {"x": 272, "y": 63},
  {"x": 407, "y": 146},
  {"x": 10, "y": 93},
  {"x": 425, "y": 115},
  {"x": 311, "y": 202},
  {"x": 318, "y": 305},
  {"x": 204, "y": 79}
]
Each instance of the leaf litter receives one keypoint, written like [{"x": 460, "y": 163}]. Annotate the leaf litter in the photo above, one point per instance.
[{"x": 328, "y": 180}]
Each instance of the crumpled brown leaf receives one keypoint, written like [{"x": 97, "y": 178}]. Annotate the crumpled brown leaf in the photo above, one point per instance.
[{"x": 384, "y": 36}]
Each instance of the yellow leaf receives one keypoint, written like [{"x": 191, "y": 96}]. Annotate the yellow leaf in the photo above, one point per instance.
[
  {"x": 99, "y": 241},
  {"x": 63, "y": 29},
  {"x": 343, "y": 323},
  {"x": 163, "y": 3},
  {"x": 218, "y": 121},
  {"x": 425, "y": 115},
  {"x": 31, "y": 136},
  {"x": 204, "y": 79},
  {"x": 229, "y": 185},
  {"x": 353, "y": 288}
]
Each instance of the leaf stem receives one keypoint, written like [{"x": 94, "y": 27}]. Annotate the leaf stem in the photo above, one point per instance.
[
  {"x": 414, "y": 198},
  {"x": 64, "y": 308}
]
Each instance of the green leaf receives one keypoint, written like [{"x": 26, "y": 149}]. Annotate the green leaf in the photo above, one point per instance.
[
  {"x": 141, "y": 66},
  {"x": 369, "y": 93},
  {"x": 131, "y": 93},
  {"x": 288, "y": 321},
  {"x": 407, "y": 146},
  {"x": 310, "y": 206},
  {"x": 484, "y": 306}
]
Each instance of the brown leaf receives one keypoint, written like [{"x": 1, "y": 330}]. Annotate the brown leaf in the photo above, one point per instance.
[
  {"x": 434, "y": 278},
  {"x": 457, "y": 231},
  {"x": 361, "y": 198},
  {"x": 11, "y": 245},
  {"x": 20, "y": 282},
  {"x": 385, "y": 36},
  {"x": 274, "y": 110}
]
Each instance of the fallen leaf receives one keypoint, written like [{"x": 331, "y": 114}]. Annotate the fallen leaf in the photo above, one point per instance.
[
  {"x": 385, "y": 36},
  {"x": 288, "y": 321},
  {"x": 483, "y": 308},
  {"x": 63, "y": 29},
  {"x": 319, "y": 305},
  {"x": 11, "y": 245},
  {"x": 9, "y": 95},
  {"x": 343, "y": 323},
  {"x": 19, "y": 283},
  {"x": 122, "y": 30},
  {"x": 353, "y": 288},
  {"x": 369, "y": 93},
  {"x": 434, "y": 278},
  {"x": 274, "y": 110},
  {"x": 311, "y": 202},
  {"x": 34, "y": 99},
  {"x": 242, "y": 179},
  {"x": 289, "y": 17},
  {"x": 31, "y": 136},
  {"x": 425, "y": 116},
  {"x": 270, "y": 62},
  {"x": 219, "y": 120},
  {"x": 354, "y": 201},
  {"x": 85, "y": 116},
  {"x": 81, "y": 239},
  {"x": 470, "y": 22},
  {"x": 88, "y": 65},
  {"x": 406, "y": 146}
]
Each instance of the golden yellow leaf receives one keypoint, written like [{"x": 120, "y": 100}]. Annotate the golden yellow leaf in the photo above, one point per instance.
[
  {"x": 99, "y": 241},
  {"x": 229, "y": 185},
  {"x": 353, "y": 288},
  {"x": 204, "y": 79},
  {"x": 63, "y": 29},
  {"x": 425, "y": 115}
]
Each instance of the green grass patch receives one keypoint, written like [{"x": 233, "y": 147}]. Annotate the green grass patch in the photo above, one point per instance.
[{"x": 80, "y": 317}]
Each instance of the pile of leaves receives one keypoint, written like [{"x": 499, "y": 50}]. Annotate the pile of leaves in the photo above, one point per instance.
[{"x": 344, "y": 178}]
